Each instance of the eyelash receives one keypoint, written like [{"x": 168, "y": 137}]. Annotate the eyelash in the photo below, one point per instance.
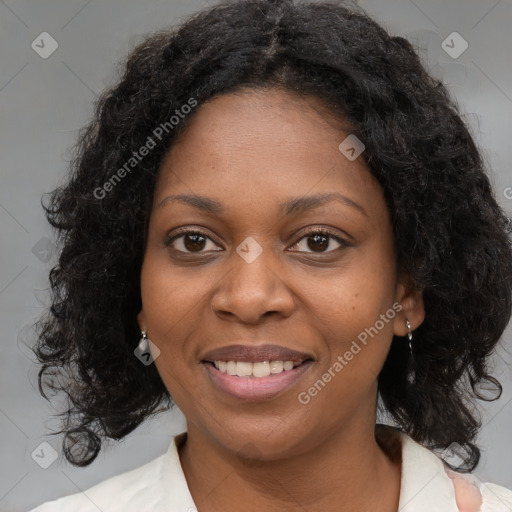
[{"x": 315, "y": 231}]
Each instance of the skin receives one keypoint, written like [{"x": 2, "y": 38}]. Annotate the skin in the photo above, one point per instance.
[{"x": 251, "y": 151}]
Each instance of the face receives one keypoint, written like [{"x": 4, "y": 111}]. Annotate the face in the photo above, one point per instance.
[{"x": 263, "y": 278}]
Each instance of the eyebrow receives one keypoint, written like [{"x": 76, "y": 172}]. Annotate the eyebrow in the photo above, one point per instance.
[{"x": 293, "y": 205}]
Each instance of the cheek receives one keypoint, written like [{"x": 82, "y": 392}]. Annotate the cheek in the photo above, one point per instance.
[
  {"x": 170, "y": 298},
  {"x": 356, "y": 343},
  {"x": 353, "y": 310},
  {"x": 172, "y": 305},
  {"x": 353, "y": 297}
]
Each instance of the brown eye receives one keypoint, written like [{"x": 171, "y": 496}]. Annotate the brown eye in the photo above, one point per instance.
[
  {"x": 319, "y": 241},
  {"x": 190, "y": 242}
]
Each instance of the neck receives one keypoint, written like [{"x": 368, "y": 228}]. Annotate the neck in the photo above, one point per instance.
[{"x": 346, "y": 471}]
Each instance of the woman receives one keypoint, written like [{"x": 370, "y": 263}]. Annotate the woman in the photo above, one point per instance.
[{"x": 276, "y": 217}]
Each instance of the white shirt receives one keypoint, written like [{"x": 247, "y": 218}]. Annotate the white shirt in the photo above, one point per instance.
[{"x": 160, "y": 486}]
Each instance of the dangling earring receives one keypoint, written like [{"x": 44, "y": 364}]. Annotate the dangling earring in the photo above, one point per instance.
[
  {"x": 146, "y": 351},
  {"x": 411, "y": 376}
]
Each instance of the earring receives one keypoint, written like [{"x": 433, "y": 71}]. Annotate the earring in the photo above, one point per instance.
[
  {"x": 411, "y": 376},
  {"x": 143, "y": 345},
  {"x": 146, "y": 351}
]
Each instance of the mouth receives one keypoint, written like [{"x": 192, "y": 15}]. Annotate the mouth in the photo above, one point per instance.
[{"x": 255, "y": 373}]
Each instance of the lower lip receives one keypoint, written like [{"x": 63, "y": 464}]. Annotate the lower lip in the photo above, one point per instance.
[{"x": 256, "y": 388}]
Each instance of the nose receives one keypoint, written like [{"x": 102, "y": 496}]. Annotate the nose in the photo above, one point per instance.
[{"x": 252, "y": 291}]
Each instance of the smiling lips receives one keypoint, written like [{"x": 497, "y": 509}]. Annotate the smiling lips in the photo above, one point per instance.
[{"x": 255, "y": 372}]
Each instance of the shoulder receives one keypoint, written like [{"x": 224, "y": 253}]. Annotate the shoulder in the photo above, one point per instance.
[
  {"x": 428, "y": 484},
  {"x": 496, "y": 498},
  {"x": 111, "y": 494},
  {"x": 156, "y": 485}
]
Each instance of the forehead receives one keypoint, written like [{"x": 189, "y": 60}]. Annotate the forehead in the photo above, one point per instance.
[
  {"x": 264, "y": 143},
  {"x": 270, "y": 109}
]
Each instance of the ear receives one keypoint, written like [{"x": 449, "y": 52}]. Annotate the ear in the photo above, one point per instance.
[
  {"x": 410, "y": 297},
  {"x": 141, "y": 320}
]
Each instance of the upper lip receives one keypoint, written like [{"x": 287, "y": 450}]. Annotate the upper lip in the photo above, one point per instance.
[{"x": 255, "y": 353}]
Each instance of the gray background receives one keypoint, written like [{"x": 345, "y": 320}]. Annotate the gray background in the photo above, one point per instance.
[{"x": 45, "y": 101}]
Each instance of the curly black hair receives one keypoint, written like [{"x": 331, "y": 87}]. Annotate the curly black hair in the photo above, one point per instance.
[{"x": 451, "y": 236}]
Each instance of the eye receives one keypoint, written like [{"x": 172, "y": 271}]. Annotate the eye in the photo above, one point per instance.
[
  {"x": 194, "y": 241},
  {"x": 318, "y": 240},
  {"x": 189, "y": 241}
]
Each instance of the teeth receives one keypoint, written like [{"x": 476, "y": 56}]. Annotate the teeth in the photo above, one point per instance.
[
  {"x": 230, "y": 367},
  {"x": 259, "y": 369},
  {"x": 243, "y": 369},
  {"x": 276, "y": 366}
]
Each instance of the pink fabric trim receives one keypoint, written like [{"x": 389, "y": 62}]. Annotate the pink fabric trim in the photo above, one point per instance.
[{"x": 467, "y": 495}]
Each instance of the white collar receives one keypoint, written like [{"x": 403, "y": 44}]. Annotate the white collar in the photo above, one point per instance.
[{"x": 424, "y": 487}]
